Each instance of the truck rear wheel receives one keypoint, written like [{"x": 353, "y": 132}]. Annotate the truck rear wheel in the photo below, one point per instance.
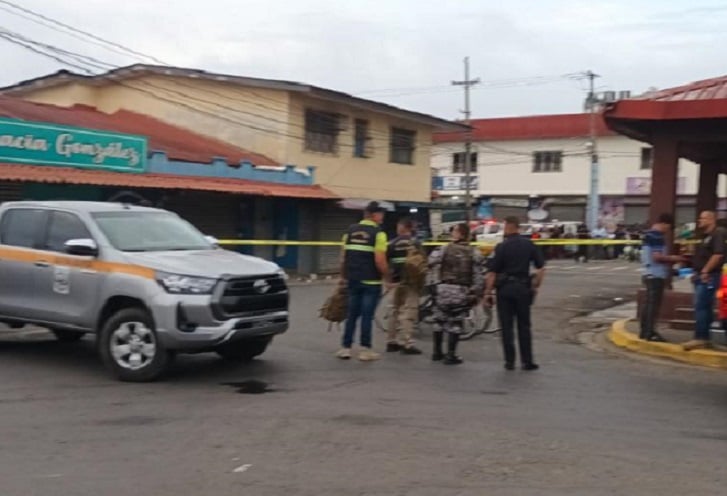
[
  {"x": 130, "y": 348},
  {"x": 244, "y": 351}
]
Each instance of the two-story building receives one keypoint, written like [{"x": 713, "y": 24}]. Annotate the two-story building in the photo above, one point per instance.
[
  {"x": 361, "y": 149},
  {"x": 538, "y": 168}
]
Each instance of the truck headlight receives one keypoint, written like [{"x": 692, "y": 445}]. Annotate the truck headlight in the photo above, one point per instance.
[{"x": 189, "y": 285}]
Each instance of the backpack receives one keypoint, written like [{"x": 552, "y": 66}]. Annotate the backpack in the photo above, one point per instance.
[
  {"x": 335, "y": 308},
  {"x": 416, "y": 266},
  {"x": 457, "y": 264}
]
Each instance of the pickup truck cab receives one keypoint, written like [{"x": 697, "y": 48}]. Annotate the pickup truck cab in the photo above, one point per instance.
[{"x": 146, "y": 282}]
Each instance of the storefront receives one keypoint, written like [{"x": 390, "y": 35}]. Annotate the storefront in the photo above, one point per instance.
[{"x": 47, "y": 161}]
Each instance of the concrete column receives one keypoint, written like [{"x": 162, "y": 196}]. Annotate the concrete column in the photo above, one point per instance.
[
  {"x": 707, "y": 192},
  {"x": 664, "y": 174}
]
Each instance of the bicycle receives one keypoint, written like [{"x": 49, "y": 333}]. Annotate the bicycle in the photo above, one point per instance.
[{"x": 479, "y": 321}]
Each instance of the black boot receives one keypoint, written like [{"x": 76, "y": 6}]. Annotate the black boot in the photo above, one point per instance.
[
  {"x": 438, "y": 339},
  {"x": 452, "y": 358}
]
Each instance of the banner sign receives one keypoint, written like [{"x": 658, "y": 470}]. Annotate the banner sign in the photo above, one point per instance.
[
  {"x": 454, "y": 183},
  {"x": 642, "y": 185},
  {"x": 37, "y": 143}
]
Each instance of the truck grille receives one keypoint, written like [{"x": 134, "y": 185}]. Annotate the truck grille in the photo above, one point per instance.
[{"x": 254, "y": 296}]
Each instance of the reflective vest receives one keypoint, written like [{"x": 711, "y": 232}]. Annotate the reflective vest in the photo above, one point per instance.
[
  {"x": 359, "y": 259},
  {"x": 398, "y": 250}
]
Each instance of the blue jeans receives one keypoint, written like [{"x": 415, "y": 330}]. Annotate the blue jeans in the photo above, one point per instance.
[
  {"x": 704, "y": 306},
  {"x": 362, "y": 301}
]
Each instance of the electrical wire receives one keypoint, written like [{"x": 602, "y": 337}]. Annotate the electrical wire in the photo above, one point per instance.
[{"x": 80, "y": 31}]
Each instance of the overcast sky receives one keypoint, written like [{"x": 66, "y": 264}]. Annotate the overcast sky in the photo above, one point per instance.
[{"x": 521, "y": 49}]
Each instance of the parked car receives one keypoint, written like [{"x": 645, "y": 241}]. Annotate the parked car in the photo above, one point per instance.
[{"x": 146, "y": 282}]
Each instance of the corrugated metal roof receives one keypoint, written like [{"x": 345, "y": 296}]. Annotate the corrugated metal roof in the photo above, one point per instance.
[
  {"x": 529, "y": 127},
  {"x": 179, "y": 144},
  {"x": 67, "y": 175},
  {"x": 706, "y": 89}
]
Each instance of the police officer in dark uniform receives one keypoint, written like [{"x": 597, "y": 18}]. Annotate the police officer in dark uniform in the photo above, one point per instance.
[
  {"x": 509, "y": 272},
  {"x": 364, "y": 268}
]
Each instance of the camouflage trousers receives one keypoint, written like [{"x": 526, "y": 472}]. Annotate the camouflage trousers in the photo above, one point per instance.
[
  {"x": 452, "y": 304},
  {"x": 404, "y": 315}
]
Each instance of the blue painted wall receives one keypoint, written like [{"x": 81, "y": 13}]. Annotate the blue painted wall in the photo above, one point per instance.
[{"x": 159, "y": 163}]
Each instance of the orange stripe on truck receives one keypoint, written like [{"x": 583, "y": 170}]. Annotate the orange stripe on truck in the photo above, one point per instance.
[{"x": 32, "y": 256}]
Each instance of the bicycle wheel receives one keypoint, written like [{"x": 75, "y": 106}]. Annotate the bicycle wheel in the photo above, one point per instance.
[
  {"x": 383, "y": 312},
  {"x": 477, "y": 322}
]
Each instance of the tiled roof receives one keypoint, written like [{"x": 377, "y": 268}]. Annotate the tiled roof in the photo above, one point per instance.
[
  {"x": 179, "y": 144},
  {"x": 67, "y": 175},
  {"x": 529, "y": 128}
]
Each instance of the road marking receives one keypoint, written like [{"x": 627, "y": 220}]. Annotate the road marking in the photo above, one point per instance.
[
  {"x": 619, "y": 268},
  {"x": 242, "y": 468}
]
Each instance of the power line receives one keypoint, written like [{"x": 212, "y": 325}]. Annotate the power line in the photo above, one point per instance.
[
  {"x": 80, "y": 31},
  {"x": 63, "y": 31},
  {"x": 99, "y": 64},
  {"x": 28, "y": 45}
]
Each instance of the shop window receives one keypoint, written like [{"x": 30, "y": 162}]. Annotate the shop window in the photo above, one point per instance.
[
  {"x": 402, "y": 146},
  {"x": 647, "y": 158},
  {"x": 321, "y": 131},
  {"x": 361, "y": 139},
  {"x": 548, "y": 161},
  {"x": 458, "y": 163}
]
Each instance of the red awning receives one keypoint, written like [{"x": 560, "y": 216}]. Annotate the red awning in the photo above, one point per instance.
[
  {"x": 67, "y": 175},
  {"x": 667, "y": 110}
]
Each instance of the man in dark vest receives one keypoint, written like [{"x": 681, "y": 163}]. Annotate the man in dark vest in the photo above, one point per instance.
[
  {"x": 516, "y": 290},
  {"x": 364, "y": 269}
]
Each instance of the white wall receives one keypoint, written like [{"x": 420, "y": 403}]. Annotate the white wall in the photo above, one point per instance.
[{"x": 505, "y": 167}]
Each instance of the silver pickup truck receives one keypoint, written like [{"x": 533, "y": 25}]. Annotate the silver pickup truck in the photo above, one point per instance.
[{"x": 145, "y": 281}]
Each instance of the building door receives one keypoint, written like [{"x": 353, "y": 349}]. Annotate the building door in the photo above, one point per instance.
[{"x": 286, "y": 228}]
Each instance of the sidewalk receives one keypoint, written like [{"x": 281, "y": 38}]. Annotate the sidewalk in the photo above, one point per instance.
[{"x": 625, "y": 334}]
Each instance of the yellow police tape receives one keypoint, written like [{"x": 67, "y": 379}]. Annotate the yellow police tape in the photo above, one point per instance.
[{"x": 541, "y": 242}]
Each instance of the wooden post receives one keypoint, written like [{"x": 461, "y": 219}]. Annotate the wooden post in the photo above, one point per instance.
[
  {"x": 664, "y": 174},
  {"x": 707, "y": 192}
]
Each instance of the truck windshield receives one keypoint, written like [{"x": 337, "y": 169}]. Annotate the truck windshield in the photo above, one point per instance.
[{"x": 150, "y": 231}]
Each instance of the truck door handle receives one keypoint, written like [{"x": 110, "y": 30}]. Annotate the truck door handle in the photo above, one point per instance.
[{"x": 41, "y": 263}]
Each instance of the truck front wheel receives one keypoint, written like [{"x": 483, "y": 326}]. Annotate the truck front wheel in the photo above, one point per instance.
[{"x": 130, "y": 348}]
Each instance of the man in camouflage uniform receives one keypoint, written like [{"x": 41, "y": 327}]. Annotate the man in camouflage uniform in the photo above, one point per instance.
[
  {"x": 405, "y": 305},
  {"x": 461, "y": 284}
]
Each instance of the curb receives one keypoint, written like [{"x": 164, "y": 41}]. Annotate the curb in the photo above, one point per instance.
[{"x": 622, "y": 338}]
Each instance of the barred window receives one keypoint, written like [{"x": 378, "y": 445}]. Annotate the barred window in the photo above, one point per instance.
[
  {"x": 321, "y": 131},
  {"x": 402, "y": 146},
  {"x": 548, "y": 161},
  {"x": 458, "y": 165},
  {"x": 361, "y": 139}
]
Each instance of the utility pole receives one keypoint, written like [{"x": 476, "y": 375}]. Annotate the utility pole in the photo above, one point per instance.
[
  {"x": 593, "y": 200},
  {"x": 467, "y": 83}
]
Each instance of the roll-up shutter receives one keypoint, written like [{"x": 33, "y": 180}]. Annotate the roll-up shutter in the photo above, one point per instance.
[
  {"x": 215, "y": 214},
  {"x": 636, "y": 214},
  {"x": 333, "y": 223},
  {"x": 567, "y": 213},
  {"x": 10, "y": 191}
]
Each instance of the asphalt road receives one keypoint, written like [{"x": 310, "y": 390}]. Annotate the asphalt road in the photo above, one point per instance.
[{"x": 588, "y": 423}]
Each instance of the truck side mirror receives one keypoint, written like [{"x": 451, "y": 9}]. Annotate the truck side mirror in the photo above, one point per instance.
[{"x": 81, "y": 247}]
